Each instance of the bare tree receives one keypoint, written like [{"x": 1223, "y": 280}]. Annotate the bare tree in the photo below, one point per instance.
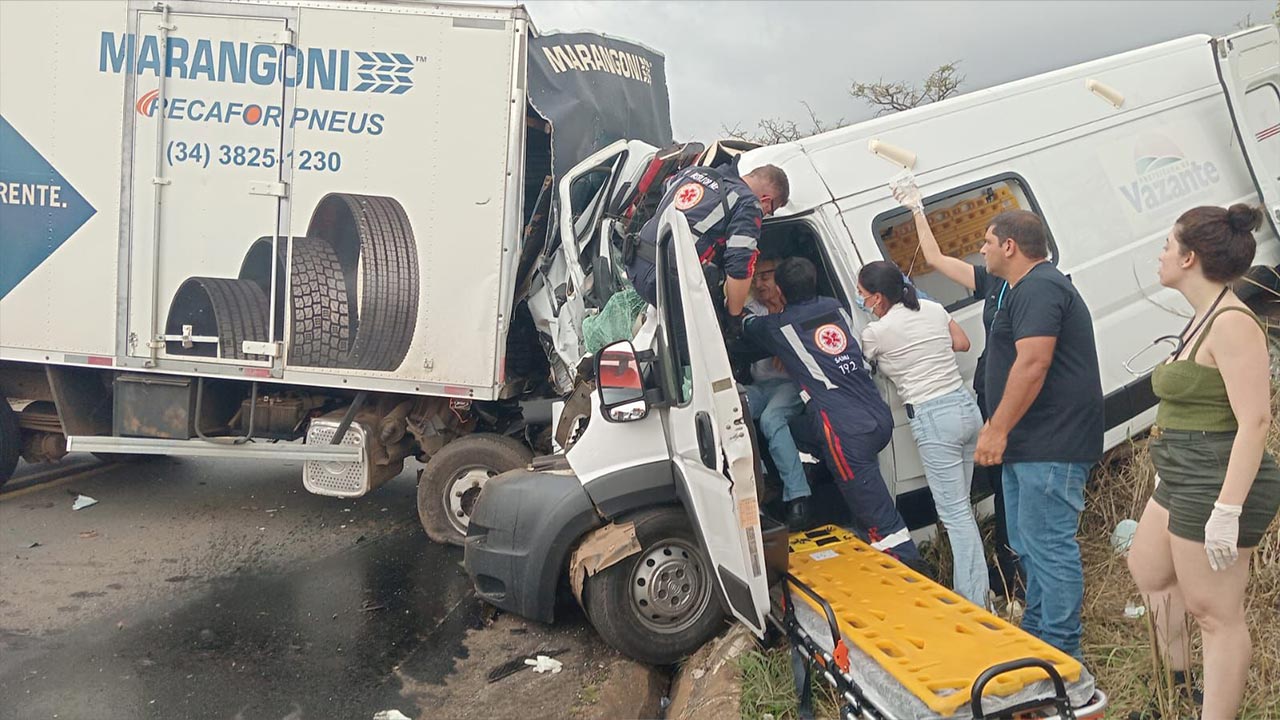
[
  {"x": 885, "y": 97},
  {"x": 888, "y": 97},
  {"x": 770, "y": 131}
]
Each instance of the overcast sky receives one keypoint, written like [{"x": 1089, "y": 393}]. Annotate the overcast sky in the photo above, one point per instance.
[{"x": 734, "y": 62}]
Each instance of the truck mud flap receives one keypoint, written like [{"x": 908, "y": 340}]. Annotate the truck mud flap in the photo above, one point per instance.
[
  {"x": 375, "y": 247},
  {"x": 321, "y": 331},
  {"x": 231, "y": 310}
]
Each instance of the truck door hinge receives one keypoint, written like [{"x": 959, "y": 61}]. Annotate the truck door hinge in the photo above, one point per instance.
[
  {"x": 274, "y": 189},
  {"x": 276, "y": 37}
]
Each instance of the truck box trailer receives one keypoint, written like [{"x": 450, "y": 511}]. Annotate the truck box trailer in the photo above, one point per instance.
[{"x": 224, "y": 221}]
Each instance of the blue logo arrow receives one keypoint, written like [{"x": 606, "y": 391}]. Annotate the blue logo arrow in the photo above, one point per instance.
[{"x": 39, "y": 210}]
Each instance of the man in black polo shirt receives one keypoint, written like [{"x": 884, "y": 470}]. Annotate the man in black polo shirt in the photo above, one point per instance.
[{"x": 1044, "y": 393}]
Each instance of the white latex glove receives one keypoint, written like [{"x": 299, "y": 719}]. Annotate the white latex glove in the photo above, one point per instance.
[
  {"x": 1221, "y": 534},
  {"x": 909, "y": 195}
]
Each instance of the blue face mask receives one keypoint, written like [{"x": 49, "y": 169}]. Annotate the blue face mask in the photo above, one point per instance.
[{"x": 862, "y": 304}]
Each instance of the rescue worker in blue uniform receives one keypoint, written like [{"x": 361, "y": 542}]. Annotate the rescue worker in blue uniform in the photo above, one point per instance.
[
  {"x": 813, "y": 337},
  {"x": 724, "y": 211}
]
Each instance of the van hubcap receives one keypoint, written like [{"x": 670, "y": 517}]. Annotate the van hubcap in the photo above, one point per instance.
[{"x": 669, "y": 587}]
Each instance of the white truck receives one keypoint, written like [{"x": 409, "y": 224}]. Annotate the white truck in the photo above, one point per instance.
[
  {"x": 319, "y": 231},
  {"x": 652, "y": 514}
]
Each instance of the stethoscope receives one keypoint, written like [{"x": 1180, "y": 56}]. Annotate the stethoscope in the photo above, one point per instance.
[{"x": 1178, "y": 342}]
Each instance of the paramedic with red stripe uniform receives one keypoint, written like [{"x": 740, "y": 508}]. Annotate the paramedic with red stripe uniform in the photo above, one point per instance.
[
  {"x": 724, "y": 211},
  {"x": 813, "y": 338}
]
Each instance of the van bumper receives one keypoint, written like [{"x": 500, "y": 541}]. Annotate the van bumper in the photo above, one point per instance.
[{"x": 522, "y": 529}]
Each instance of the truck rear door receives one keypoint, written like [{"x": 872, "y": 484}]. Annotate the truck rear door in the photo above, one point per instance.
[
  {"x": 210, "y": 171},
  {"x": 1249, "y": 69},
  {"x": 706, "y": 430}
]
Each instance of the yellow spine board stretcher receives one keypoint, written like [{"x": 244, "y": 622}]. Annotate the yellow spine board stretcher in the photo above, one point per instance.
[{"x": 931, "y": 640}]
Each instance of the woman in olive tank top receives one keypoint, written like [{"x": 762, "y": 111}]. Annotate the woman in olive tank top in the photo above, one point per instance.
[{"x": 1216, "y": 487}]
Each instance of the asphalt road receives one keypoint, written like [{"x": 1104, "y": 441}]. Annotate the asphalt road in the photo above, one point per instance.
[{"x": 222, "y": 589}]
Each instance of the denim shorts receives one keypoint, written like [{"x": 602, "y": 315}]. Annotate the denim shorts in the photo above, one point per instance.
[{"x": 1192, "y": 466}]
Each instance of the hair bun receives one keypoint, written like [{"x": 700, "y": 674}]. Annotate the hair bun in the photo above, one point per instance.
[{"x": 1244, "y": 218}]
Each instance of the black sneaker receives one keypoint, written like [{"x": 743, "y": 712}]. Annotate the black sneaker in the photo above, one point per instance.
[
  {"x": 1187, "y": 691},
  {"x": 798, "y": 514}
]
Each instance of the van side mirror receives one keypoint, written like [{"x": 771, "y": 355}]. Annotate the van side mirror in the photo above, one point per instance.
[{"x": 620, "y": 383}]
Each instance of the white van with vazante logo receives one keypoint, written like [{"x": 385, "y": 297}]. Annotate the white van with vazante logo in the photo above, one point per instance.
[{"x": 651, "y": 513}]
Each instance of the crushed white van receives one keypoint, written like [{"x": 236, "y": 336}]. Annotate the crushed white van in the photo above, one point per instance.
[{"x": 652, "y": 513}]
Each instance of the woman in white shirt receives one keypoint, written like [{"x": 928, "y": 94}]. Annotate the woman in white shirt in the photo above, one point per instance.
[{"x": 914, "y": 344}]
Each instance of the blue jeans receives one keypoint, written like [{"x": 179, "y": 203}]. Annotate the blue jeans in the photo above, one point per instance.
[
  {"x": 774, "y": 403},
  {"x": 1043, "y": 502},
  {"x": 946, "y": 432}
]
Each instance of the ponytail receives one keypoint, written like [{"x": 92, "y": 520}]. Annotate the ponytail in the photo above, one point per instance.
[{"x": 909, "y": 296}]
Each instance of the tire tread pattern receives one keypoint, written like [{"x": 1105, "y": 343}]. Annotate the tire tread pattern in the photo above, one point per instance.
[{"x": 321, "y": 330}]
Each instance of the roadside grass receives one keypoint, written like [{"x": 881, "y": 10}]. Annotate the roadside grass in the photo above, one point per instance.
[{"x": 1118, "y": 650}]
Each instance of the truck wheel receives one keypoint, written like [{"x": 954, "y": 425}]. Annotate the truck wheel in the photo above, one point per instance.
[
  {"x": 453, "y": 478},
  {"x": 658, "y": 605},
  {"x": 10, "y": 441},
  {"x": 232, "y": 310},
  {"x": 322, "y": 320},
  {"x": 379, "y": 256}
]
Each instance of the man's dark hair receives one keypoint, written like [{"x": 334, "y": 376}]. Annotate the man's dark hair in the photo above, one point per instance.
[
  {"x": 1025, "y": 229},
  {"x": 797, "y": 278},
  {"x": 776, "y": 179}
]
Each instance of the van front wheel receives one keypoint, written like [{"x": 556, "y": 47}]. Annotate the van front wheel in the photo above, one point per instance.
[{"x": 658, "y": 605}]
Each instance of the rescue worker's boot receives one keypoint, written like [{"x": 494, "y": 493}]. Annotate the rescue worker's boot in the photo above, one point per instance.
[{"x": 798, "y": 514}]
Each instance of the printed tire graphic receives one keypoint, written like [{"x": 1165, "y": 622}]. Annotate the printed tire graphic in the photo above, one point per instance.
[
  {"x": 256, "y": 266},
  {"x": 321, "y": 334},
  {"x": 231, "y": 310},
  {"x": 375, "y": 246}
]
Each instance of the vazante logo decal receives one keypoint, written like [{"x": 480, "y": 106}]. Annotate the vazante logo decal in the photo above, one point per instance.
[{"x": 1165, "y": 175}]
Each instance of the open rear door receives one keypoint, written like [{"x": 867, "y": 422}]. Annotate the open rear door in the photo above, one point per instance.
[
  {"x": 706, "y": 430},
  {"x": 1249, "y": 70}
]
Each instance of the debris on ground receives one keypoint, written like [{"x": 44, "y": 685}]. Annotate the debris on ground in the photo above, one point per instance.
[
  {"x": 520, "y": 662},
  {"x": 88, "y": 534},
  {"x": 390, "y": 715},
  {"x": 544, "y": 664},
  {"x": 82, "y": 502},
  {"x": 33, "y": 544},
  {"x": 1122, "y": 536},
  {"x": 1133, "y": 610},
  {"x": 370, "y": 606}
]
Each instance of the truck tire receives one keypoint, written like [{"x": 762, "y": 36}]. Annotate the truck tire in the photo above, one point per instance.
[
  {"x": 10, "y": 441},
  {"x": 453, "y": 478},
  {"x": 256, "y": 266},
  {"x": 374, "y": 242},
  {"x": 321, "y": 334},
  {"x": 658, "y": 605},
  {"x": 232, "y": 310}
]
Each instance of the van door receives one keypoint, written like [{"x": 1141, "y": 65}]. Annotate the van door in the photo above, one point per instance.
[
  {"x": 706, "y": 431},
  {"x": 1249, "y": 70}
]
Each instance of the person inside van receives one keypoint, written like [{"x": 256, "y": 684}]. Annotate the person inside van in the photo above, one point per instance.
[
  {"x": 914, "y": 343},
  {"x": 1009, "y": 580},
  {"x": 774, "y": 400},
  {"x": 1217, "y": 489},
  {"x": 813, "y": 337}
]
